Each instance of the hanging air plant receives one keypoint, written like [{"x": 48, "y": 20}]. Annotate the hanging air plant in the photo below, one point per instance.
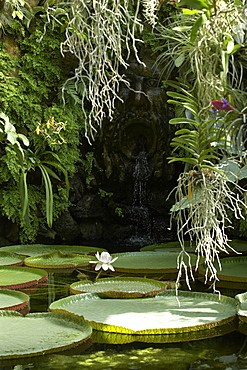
[{"x": 204, "y": 193}]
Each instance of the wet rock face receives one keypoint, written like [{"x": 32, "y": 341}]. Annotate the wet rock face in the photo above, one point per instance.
[
  {"x": 130, "y": 167},
  {"x": 140, "y": 123}
]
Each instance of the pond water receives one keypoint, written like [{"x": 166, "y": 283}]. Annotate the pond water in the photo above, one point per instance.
[{"x": 227, "y": 351}]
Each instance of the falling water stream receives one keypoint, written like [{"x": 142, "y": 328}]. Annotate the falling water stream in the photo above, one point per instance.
[{"x": 140, "y": 212}]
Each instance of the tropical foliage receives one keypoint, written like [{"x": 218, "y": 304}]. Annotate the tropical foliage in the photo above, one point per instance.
[{"x": 204, "y": 40}]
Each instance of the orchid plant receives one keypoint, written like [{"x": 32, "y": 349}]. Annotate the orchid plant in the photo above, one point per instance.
[{"x": 204, "y": 193}]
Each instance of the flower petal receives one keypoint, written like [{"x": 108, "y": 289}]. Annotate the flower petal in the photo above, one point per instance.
[
  {"x": 98, "y": 266},
  {"x": 105, "y": 266},
  {"x": 114, "y": 259},
  {"x": 97, "y": 255},
  {"x": 111, "y": 267},
  {"x": 105, "y": 257}
]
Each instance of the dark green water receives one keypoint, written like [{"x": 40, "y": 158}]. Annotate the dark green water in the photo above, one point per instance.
[{"x": 227, "y": 352}]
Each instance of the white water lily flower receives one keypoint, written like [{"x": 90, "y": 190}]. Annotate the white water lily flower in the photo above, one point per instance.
[{"x": 104, "y": 261}]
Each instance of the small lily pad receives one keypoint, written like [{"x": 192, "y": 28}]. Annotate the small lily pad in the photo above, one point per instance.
[
  {"x": 58, "y": 260},
  {"x": 166, "y": 313},
  {"x": 12, "y": 300},
  {"x": 39, "y": 333},
  {"x": 10, "y": 259},
  {"x": 39, "y": 249},
  {"x": 19, "y": 278},
  {"x": 120, "y": 287}
]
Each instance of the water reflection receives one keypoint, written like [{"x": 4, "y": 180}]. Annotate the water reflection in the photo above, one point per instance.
[{"x": 226, "y": 351}]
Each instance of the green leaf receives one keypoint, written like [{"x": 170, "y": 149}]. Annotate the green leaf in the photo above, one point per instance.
[
  {"x": 10, "y": 259},
  {"x": 40, "y": 249},
  {"x": 49, "y": 194},
  {"x": 54, "y": 332},
  {"x": 57, "y": 259},
  {"x": 243, "y": 173},
  {"x": 194, "y": 4},
  {"x": 192, "y": 161},
  {"x": 179, "y": 60},
  {"x": 13, "y": 300},
  {"x": 183, "y": 120},
  {"x": 190, "y": 12},
  {"x": 230, "y": 46},
  {"x": 120, "y": 287},
  {"x": 18, "y": 278},
  {"x": 148, "y": 316},
  {"x": 196, "y": 26},
  {"x": 24, "y": 197},
  {"x": 24, "y": 139},
  {"x": 182, "y": 28}
]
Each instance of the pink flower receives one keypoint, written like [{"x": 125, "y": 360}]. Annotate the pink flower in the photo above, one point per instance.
[{"x": 221, "y": 105}]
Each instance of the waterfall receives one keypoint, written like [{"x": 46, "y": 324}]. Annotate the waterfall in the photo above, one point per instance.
[{"x": 140, "y": 213}]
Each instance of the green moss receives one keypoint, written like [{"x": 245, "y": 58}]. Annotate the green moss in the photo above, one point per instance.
[{"x": 31, "y": 80}]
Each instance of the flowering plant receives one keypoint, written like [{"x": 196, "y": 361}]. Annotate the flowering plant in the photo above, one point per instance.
[{"x": 104, "y": 261}]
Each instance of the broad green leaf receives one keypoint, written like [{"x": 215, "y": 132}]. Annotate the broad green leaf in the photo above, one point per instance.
[
  {"x": 10, "y": 259},
  {"x": 179, "y": 60},
  {"x": 243, "y": 173},
  {"x": 182, "y": 28},
  {"x": 195, "y": 4},
  {"x": 58, "y": 259},
  {"x": 120, "y": 287},
  {"x": 40, "y": 333},
  {"x": 190, "y": 11},
  {"x": 49, "y": 195},
  {"x": 166, "y": 313},
  {"x": 13, "y": 300},
  {"x": 230, "y": 46},
  {"x": 12, "y": 137},
  {"x": 183, "y": 120},
  {"x": 39, "y": 249},
  {"x": 231, "y": 170},
  {"x": 236, "y": 48},
  {"x": 168, "y": 247},
  {"x": 233, "y": 270},
  {"x": 24, "y": 139},
  {"x": 186, "y": 203},
  {"x": 21, "y": 277},
  {"x": 196, "y": 26},
  {"x": 192, "y": 161},
  {"x": 148, "y": 262},
  {"x": 191, "y": 133}
]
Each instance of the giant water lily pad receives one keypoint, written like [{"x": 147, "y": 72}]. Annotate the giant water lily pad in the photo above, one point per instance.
[
  {"x": 39, "y": 333},
  {"x": 120, "y": 287},
  {"x": 233, "y": 272},
  {"x": 13, "y": 300},
  {"x": 166, "y": 313},
  {"x": 10, "y": 259},
  {"x": 238, "y": 246},
  {"x": 99, "y": 336},
  {"x": 168, "y": 247},
  {"x": 19, "y": 278},
  {"x": 39, "y": 249},
  {"x": 242, "y": 312},
  {"x": 150, "y": 262},
  {"x": 58, "y": 260}
]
